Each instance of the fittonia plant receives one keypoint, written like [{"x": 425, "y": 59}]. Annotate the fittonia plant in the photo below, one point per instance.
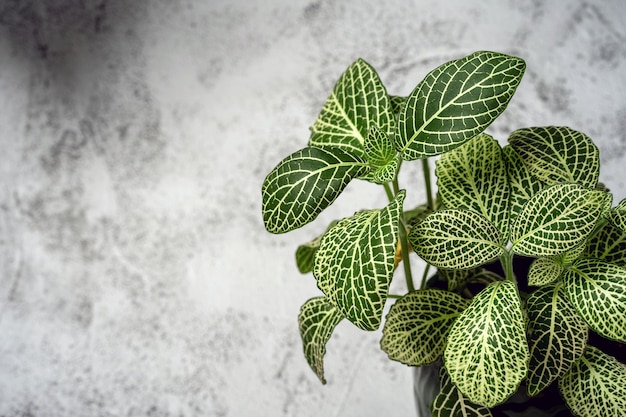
[{"x": 537, "y": 197}]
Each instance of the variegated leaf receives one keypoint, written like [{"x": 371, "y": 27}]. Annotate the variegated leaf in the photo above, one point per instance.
[
  {"x": 397, "y": 102},
  {"x": 523, "y": 185},
  {"x": 597, "y": 290},
  {"x": 386, "y": 173},
  {"x": 305, "y": 253},
  {"x": 450, "y": 402},
  {"x": 544, "y": 271},
  {"x": 381, "y": 156},
  {"x": 455, "y": 278},
  {"x": 608, "y": 244},
  {"x": 456, "y": 102},
  {"x": 595, "y": 386},
  {"x": 417, "y": 325},
  {"x": 487, "y": 354},
  {"x": 617, "y": 216},
  {"x": 302, "y": 185},
  {"x": 456, "y": 239},
  {"x": 556, "y": 220},
  {"x": 557, "y": 154},
  {"x": 473, "y": 177},
  {"x": 557, "y": 337},
  {"x": 355, "y": 262},
  {"x": 358, "y": 101},
  {"x": 317, "y": 320}
]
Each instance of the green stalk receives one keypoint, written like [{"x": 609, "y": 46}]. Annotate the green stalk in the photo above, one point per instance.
[
  {"x": 404, "y": 244},
  {"x": 429, "y": 187},
  {"x": 507, "y": 264}
]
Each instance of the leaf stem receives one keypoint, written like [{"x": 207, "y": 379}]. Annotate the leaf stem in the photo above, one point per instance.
[
  {"x": 427, "y": 181},
  {"x": 425, "y": 276},
  {"x": 506, "y": 259},
  {"x": 404, "y": 242}
]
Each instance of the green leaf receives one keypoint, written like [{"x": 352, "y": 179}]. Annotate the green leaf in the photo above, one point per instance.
[
  {"x": 317, "y": 320},
  {"x": 617, "y": 216},
  {"x": 379, "y": 149},
  {"x": 381, "y": 155},
  {"x": 450, "y": 402},
  {"x": 473, "y": 177},
  {"x": 355, "y": 262},
  {"x": 557, "y": 154},
  {"x": 306, "y": 252},
  {"x": 597, "y": 290},
  {"x": 544, "y": 271},
  {"x": 456, "y": 102},
  {"x": 386, "y": 173},
  {"x": 417, "y": 325},
  {"x": 523, "y": 184},
  {"x": 557, "y": 337},
  {"x": 556, "y": 220},
  {"x": 456, "y": 239},
  {"x": 397, "y": 103},
  {"x": 595, "y": 386},
  {"x": 358, "y": 101},
  {"x": 302, "y": 185},
  {"x": 487, "y": 353},
  {"x": 608, "y": 244},
  {"x": 456, "y": 278}
]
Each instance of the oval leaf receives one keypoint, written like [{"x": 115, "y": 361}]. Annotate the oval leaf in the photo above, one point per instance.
[
  {"x": 557, "y": 154},
  {"x": 487, "y": 354},
  {"x": 358, "y": 101},
  {"x": 544, "y": 271},
  {"x": 608, "y": 244},
  {"x": 523, "y": 185},
  {"x": 456, "y": 102},
  {"x": 302, "y": 185},
  {"x": 317, "y": 320},
  {"x": 306, "y": 252},
  {"x": 556, "y": 220},
  {"x": 473, "y": 177},
  {"x": 355, "y": 262},
  {"x": 456, "y": 239},
  {"x": 597, "y": 290},
  {"x": 417, "y": 325},
  {"x": 557, "y": 337},
  {"x": 450, "y": 402},
  {"x": 595, "y": 386}
]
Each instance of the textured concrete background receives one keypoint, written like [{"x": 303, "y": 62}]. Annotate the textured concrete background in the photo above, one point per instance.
[{"x": 136, "y": 278}]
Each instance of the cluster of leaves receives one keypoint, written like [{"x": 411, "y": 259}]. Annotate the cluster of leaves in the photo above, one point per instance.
[{"x": 539, "y": 196}]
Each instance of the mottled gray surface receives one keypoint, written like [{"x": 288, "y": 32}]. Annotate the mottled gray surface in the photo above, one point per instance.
[{"x": 136, "y": 276}]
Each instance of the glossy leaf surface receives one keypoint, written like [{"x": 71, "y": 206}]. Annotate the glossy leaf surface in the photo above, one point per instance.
[
  {"x": 358, "y": 101},
  {"x": 558, "y": 154},
  {"x": 317, "y": 320},
  {"x": 487, "y": 353},
  {"x": 597, "y": 290},
  {"x": 595, "y": 386},
  {"x": 456, "y": 102},
  {"x": 473, "y": 177},
  {"x": 450, "y": 402},
  {"x": 456, "y": 239},
  {"x": 302, "y": 185},
  {"x": 556, "y": 220},
  {"x": 417, "y": 325},
  {"x": 355, "y": 262},
  {"x": 557, "y": 337}
]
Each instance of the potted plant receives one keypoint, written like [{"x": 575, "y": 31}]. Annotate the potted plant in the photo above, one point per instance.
[{"x": 495, "y": 335}]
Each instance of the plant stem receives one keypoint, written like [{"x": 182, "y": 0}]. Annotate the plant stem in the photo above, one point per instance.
[
  {"x": 425, "y": 276},
  {"x": 507, "y": 264},
  {"x": 404, "y": 242},
  {"x": 429, "y": 188}
]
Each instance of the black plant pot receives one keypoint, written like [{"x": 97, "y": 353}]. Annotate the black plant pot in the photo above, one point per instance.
[{"x": 548, "y": 403}]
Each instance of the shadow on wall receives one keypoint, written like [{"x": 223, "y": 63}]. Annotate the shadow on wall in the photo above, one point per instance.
[{"x": 45, "y": 28}]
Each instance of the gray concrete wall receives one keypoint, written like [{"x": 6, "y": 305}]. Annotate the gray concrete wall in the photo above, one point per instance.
[{"x": 136, "y": 278}]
